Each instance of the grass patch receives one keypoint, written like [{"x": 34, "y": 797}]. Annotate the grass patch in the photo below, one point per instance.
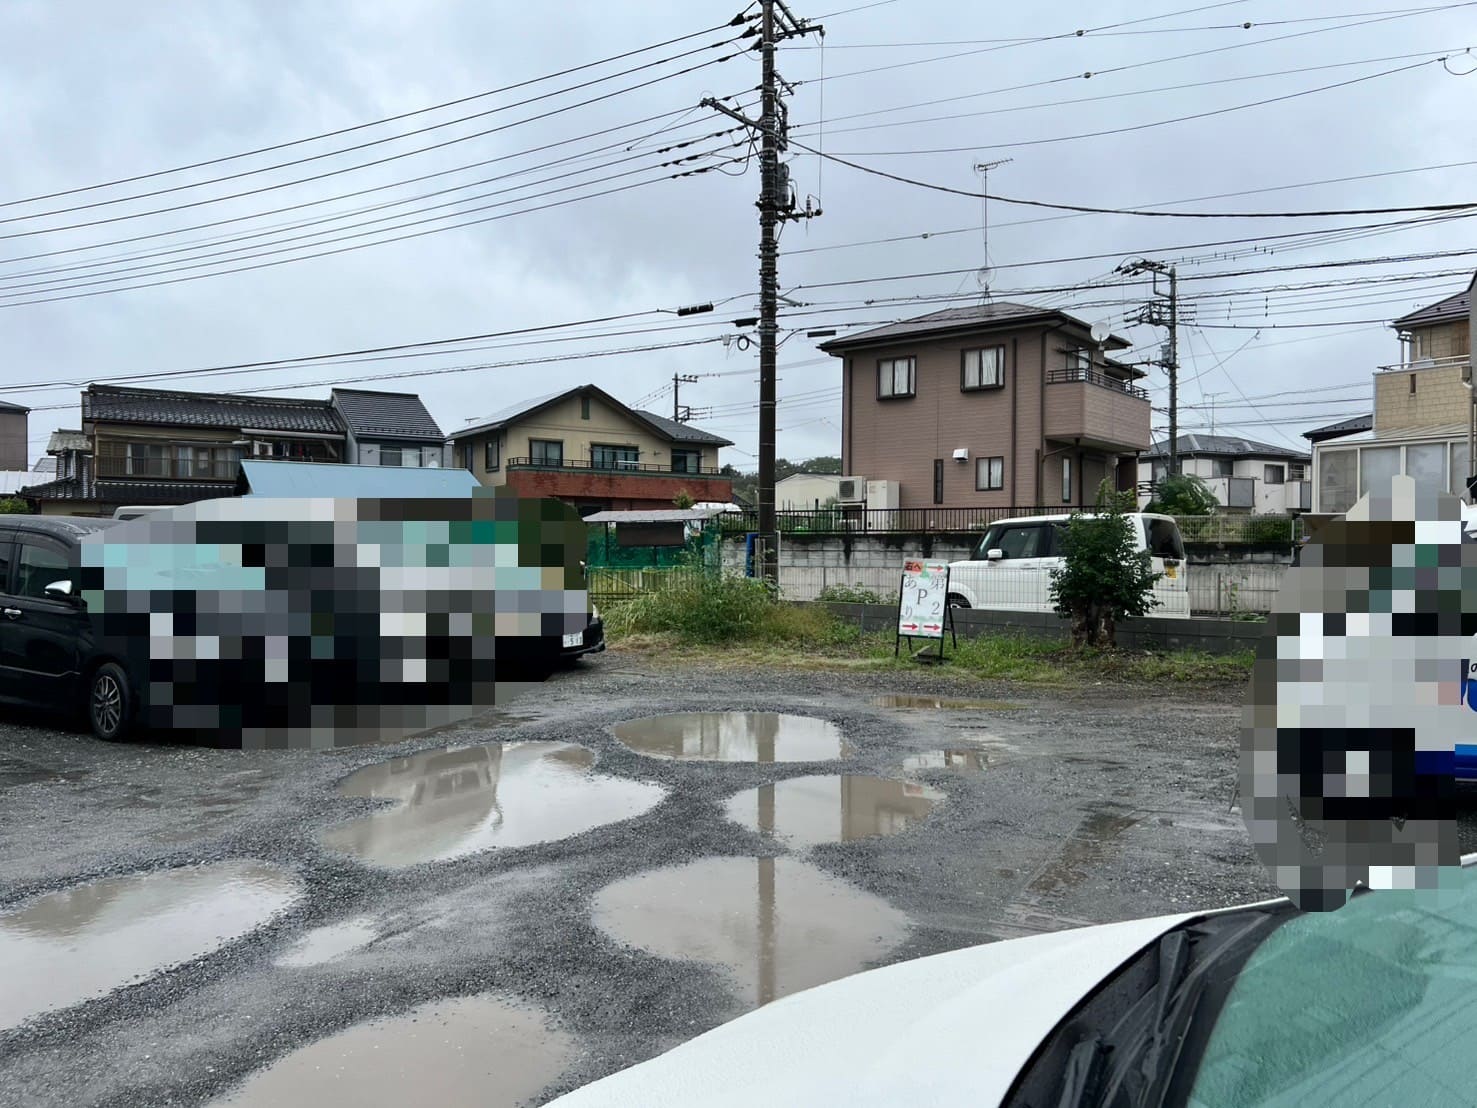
[{"x": 727, "y": 610}]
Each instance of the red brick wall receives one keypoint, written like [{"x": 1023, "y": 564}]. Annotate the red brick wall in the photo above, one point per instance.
[{"x": 616, "y": 491}]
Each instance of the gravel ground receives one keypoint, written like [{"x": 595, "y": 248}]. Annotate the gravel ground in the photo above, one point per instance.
[{"x": 1095, "y": 805}]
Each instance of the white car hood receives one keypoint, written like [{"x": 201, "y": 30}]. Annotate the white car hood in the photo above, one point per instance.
[{"x": 950, "y": 1029}]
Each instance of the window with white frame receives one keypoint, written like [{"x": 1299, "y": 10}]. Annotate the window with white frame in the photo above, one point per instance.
[
  {"x": 983, "y": 369},
  {"x": 895, "y": 378},
  {"x": 1459, "y": 468},
  {"x": 1337, "y": 476},
  {"x": 1297, "y": 471},
  {"x": 989, "y": 474},
  {"x": 1066, "y": 480},
  {"x": 1377, "y": 464},
  {"x": 1426, "y": 463}
]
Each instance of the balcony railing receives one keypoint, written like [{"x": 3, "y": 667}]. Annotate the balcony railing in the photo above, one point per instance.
[
  {"x": 611, "y": 467},
  {"x": 1428, "y": 363},
  {"x": 1093, "y": 377}
]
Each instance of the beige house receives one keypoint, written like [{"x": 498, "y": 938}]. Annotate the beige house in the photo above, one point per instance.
[
  {"x": 1422, "y": 413},
  {"x": 584, "y": 446},
  {"x": 993, "y": 406}
]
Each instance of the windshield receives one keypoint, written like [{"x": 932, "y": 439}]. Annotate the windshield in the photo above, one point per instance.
[{"x": 1368, "y": 1005}]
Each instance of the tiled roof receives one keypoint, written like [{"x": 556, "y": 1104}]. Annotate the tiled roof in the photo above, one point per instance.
[
  {"x": 161, "y": 492},
  {"x": 976, "y": 317},
  {"x": 44, "y": 465},
  {"x": 1342, "y": 427},
  {"x": 67, "y": 440},
  {"x": 391, "y": 415},
  {"x": 669, "y": 429},
  {"x": 1457, "y": 306},
  {"x": 1206, "y": 446},
  {"x": 654, "y": 515},
  {"x": 113, "y": 404},
  {"x": 683, "y": 432}
]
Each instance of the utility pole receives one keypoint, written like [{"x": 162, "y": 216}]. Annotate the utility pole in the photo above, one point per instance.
[
  {"x": 775, "y": 204},
  {"x": 1158, "y": 313},
  {"x": 679, "y": 379}
]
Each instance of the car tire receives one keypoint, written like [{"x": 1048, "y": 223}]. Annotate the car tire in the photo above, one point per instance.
[
  {"x": 109, "y": 703},
  {"x": 957, "y": 601}
]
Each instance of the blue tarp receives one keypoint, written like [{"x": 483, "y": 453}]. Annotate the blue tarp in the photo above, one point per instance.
[{"x": 353, "y": 482}]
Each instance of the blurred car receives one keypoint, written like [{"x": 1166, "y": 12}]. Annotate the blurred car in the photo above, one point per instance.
[{"x": 1258, "y": 1005}]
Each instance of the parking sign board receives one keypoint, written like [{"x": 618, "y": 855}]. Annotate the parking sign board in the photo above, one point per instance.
[{"x": 922, "y": 599}]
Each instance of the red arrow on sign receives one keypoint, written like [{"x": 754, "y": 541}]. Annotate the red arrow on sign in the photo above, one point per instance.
[
  {"x": 909, "y": 626},
  {"x": 930, "y": 627}
]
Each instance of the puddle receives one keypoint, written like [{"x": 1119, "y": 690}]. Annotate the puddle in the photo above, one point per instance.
[
  {"x": 462, "y": 800},
  {"x": 936, "y": 703},
  {"x": 735, "y": 737},
  {"x": 773, "y": 925},
  {"x": 474, "y": 1050},
  {"x": 808, "y": 811},
  {"x": 960, "y": 761},
  {"x": 324, "y": 944},
  {"x": 66, "y": 947},
  {"x": 1088, "y": 846}
]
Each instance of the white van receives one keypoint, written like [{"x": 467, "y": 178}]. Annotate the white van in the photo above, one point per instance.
[{"x": 1010, "y": 569}]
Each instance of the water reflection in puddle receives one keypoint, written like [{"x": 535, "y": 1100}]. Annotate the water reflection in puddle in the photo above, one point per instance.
[
  {"x": 1085, "y": 850},
  {"x": 960, "y": 761},
  {"x": 936, "y": 703},
  {"x": 66, "y": 947},
  {"x": 324, "y": 944},
  {"x": 459, "y": 801},
  {"x": 735, "y": 737},
  {"x": 474, "y": 1050},
  {"x": 774, "y": 925},
  {"x": 808, "y": 811}
]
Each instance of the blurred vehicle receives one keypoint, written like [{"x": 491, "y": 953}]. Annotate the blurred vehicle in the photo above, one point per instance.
[
  {"x": 1010, "y": 569},
  {"x": 1247, "y": 1007},
  {"x": 51, "y": 655}
]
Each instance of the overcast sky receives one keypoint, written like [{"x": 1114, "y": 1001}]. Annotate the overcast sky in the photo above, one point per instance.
[{"x": 98, "y": 91}]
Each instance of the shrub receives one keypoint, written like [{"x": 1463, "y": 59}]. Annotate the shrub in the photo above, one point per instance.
[
  {"x": 1105, "y": 577},
  {"x": 1183, "y": 494},
  {"x": 13, "y": 506},
  {"x": 849, "y": 594}
]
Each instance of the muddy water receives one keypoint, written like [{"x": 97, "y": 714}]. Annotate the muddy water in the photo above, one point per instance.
[
  {"x": 458, "y": 801},
  {"x": 774, "y": 926},
  {"x": 1085, "y": 850},
  {"x": 960, "y": 761},
  {"x": 735, "y": 737},
  {"x": 475, "y": 1050},
  {"x": 808, "y": 811},
  {"x": 935, "y": 703},
  {"x": 66, "y": 947},
  {"x": 324, "y": 944}
]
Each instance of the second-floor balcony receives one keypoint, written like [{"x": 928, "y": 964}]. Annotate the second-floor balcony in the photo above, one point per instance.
[
  {"x": 614, "y": 467},
  {"x": 196, "y": 461},
  {"x": 1103, "y": 412}
]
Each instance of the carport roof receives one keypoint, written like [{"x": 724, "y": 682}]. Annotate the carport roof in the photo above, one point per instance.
[
  {"x": 654, "y": 515},
  {"x": 352, "y": 482}
]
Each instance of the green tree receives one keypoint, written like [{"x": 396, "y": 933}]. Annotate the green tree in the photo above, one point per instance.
[
  {"x": 1105, "y": 576},
  {"x": 13, "y": 506},
  {"x": 1183, "y": 494},
  {"x": 683, "y": 500}
]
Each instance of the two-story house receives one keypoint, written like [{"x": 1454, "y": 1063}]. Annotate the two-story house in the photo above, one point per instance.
[
  {"x": 996, "y": 405},
  {"x": 388, "y": 429},
  {"x": 1244, "y": 475},
  {"x": 15, "y": 447},
  {"x": 585, "y": 447},
  {"x": 1422, "y": 413}
]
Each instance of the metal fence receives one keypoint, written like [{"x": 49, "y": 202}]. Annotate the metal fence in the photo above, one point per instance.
[
  {"x": 1246, "y": 530},
  {"x": 608, "y": 585}
]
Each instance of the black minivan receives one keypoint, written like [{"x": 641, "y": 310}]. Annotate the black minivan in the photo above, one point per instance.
[{"x": 50, "y": 654}]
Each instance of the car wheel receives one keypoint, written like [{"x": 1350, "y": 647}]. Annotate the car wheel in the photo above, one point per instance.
[
  {"x": 957, "y": 601},
  {"x": 109, "y": 702}
]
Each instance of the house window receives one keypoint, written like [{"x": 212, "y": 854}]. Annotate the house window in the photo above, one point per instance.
[
  {"x": 1336, "y": 469},
  {"x": 895, "y": 378},
  {"x": 1157, "y": 471},
  {"x": 1377, "y": 465},
  {"x": 1297, "y": 471},
  {"x": 584, "y": 407},
  {"x": 1066, "y": 480},
  {"x": 983, "y": 369},
  {"x": 1273, "y": 475},
  {"x": 147, "y": 459},
  {"x": 687, "y": 461},
  {"x": 938, "y": 480},
  {"x": 614, "y": 457},
  {"x": 1459, "y": 470},
  {"x": 1425, "y": 463},
  {"x": 1079, "y": 359},
  {"x": 493, "y": 454},
  {"x": 546, "y": 452},
  {"x": 989, "y": 474},
  {"x": 1223, "y": 467}
]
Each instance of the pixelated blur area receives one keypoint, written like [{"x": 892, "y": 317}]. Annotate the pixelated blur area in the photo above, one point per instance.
[
  {"x": 1361, "y": 716},
  {"x": 259, "y": 622}
]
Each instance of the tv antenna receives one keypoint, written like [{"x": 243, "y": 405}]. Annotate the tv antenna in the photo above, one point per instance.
[{"x": 982, "y": 276}]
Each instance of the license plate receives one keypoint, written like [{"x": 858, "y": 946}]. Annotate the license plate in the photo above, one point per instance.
[
  {"x": 1169, "y": 571},
  {"x": 577, "y": 639}
]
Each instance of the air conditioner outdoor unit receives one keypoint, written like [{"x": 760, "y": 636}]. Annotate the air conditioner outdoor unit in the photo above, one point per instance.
[{"x": 851, "y": 490}]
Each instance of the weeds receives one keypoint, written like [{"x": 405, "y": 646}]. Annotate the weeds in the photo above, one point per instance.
[{"x": 726, "y": 609}]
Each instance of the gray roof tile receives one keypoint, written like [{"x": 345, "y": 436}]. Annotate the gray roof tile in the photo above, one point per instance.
[
  {"x": 1223, "y": 446},
  {"x": 113, "y": 404},
  {"x": 1000, "y": 313},
  {"x": 390, "y": 415},
  {"x": 1457, "y": 306}
]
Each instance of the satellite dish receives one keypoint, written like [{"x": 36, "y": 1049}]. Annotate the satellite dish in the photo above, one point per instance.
[{"x": 1099, "y": 332}]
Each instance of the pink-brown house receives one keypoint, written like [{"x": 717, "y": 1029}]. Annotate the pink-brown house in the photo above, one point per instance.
[{"x": 993, "y": 406}]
